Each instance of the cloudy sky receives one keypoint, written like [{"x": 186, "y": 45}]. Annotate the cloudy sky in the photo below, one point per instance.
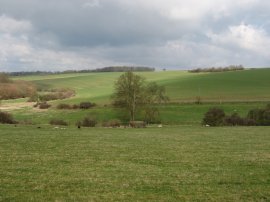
[{"x": 172, "y": 34}]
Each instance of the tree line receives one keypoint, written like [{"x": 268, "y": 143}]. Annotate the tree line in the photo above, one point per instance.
[
  {"x": 218, "y": 69},
  {"x": 105, "y": 69}
]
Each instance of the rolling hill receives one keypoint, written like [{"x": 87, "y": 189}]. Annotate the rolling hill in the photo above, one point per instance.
[{"x": 181, "y": 86}]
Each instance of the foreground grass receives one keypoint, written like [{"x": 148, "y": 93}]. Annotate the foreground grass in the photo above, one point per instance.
[{"x": 153, "y": 164}]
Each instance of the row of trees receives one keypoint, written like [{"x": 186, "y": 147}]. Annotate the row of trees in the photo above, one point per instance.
[
  {"x": 104, "y": 69},
  {"x": 218, "y": 69},
  {"x": 255, "y": 117}
]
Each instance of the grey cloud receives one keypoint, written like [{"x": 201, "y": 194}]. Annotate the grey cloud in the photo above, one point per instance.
[{"x": 94, "y": 33}]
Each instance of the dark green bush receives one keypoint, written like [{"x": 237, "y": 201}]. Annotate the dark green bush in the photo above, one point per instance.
[
  {"x": 6, "y": 118},
  {"x": 260, "y": 116},
  {"x": 214, "y": 117},
  {"x": 266, "y": 117},
  {"x": 256, "y": 115}
]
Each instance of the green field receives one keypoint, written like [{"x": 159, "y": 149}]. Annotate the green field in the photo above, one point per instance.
[
  {"x": 248, "y": 85},
  {"x": 171, "y": 114},
  {"x": 182, "y": 161},
  {"x": 154, "y": 164},
  {"x": 237, "y": 91}
]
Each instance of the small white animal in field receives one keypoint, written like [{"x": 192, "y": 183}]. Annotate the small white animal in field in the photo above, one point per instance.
[{"x": 160, "y": 126}]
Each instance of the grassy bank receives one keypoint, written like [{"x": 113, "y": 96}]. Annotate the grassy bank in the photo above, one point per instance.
[{"x": 179, "y": 114}]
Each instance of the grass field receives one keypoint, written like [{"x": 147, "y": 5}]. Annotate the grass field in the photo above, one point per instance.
[
  {"x": 180, "y": 162},
  {"x": 153, "y": 164},
  {"x": 237, "y": 91},
  {"x": 183, "y": 114}
]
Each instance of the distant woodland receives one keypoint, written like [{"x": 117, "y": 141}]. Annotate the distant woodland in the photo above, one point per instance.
[
  {"x": 218, "y": 69},
  {"x": 105, "y": 69}
]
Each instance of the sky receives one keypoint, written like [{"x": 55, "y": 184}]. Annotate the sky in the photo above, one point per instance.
[{"x": 57, "y": 35}]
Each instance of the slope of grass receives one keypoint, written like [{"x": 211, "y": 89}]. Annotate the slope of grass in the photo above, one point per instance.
[
  {"x": 248, "y": 85},
  {"x": 154, "y": 164}
]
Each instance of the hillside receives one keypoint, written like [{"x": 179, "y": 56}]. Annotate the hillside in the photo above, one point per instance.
[{"x": 248, "y": 85}]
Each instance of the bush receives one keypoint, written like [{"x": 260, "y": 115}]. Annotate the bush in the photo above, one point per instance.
[
  {"x": 87, "y": 122},
  {"x": 6, "y": 118},
  {"x": 58, "y": 122},
  {"x": 86, "y": 105},
  {"x": 249, "y": 122},
  {"x": 57, "y": 94},
  {"x": 75, "y": 106},
  {"x": 44, "y": 105},
  {"x": 214, "y": 117},
  {"x": 266, "y": 117},
  {"x": 67, "y": 106},
  {"x": 112, "y": 123},
  {"x": 260, "y": 116},
  {"x": 17, "y": 89},
  {"x": 233, "y": 120},
  {"x": 64, "y": 106},
  {"x": 137, "y": 124}
]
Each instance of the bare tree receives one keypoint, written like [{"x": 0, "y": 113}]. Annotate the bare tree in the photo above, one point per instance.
[{"x": 133, "y": 93}]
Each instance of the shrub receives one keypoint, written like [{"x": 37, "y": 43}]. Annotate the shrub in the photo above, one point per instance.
[
  {"x": 234, "y": 120},
  {"x": 151, "y": 115},
  {"x": 44, "y": 105},
  {"x": 4, "y": 78},
  {"x": 256, "y": 115},
  {"x": 112, "y": 123},
  {"x": 86, "y": 105},
  {"x": 214, "y": 117},
  {"x": 137, "y": 124},
  {"x": 16, "y": 89},
  {"x": 58, "y": 122},
  {"x": 64, "y": 106},
  {"x": 6, "y": 118},
  {"x": 57, "y": 94},
  {"x": 266, "y": 117},
  {"x": 87, "y": 122},
  {"x": 249, "y": 122},
  {"x": 75, "y": 106}
]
